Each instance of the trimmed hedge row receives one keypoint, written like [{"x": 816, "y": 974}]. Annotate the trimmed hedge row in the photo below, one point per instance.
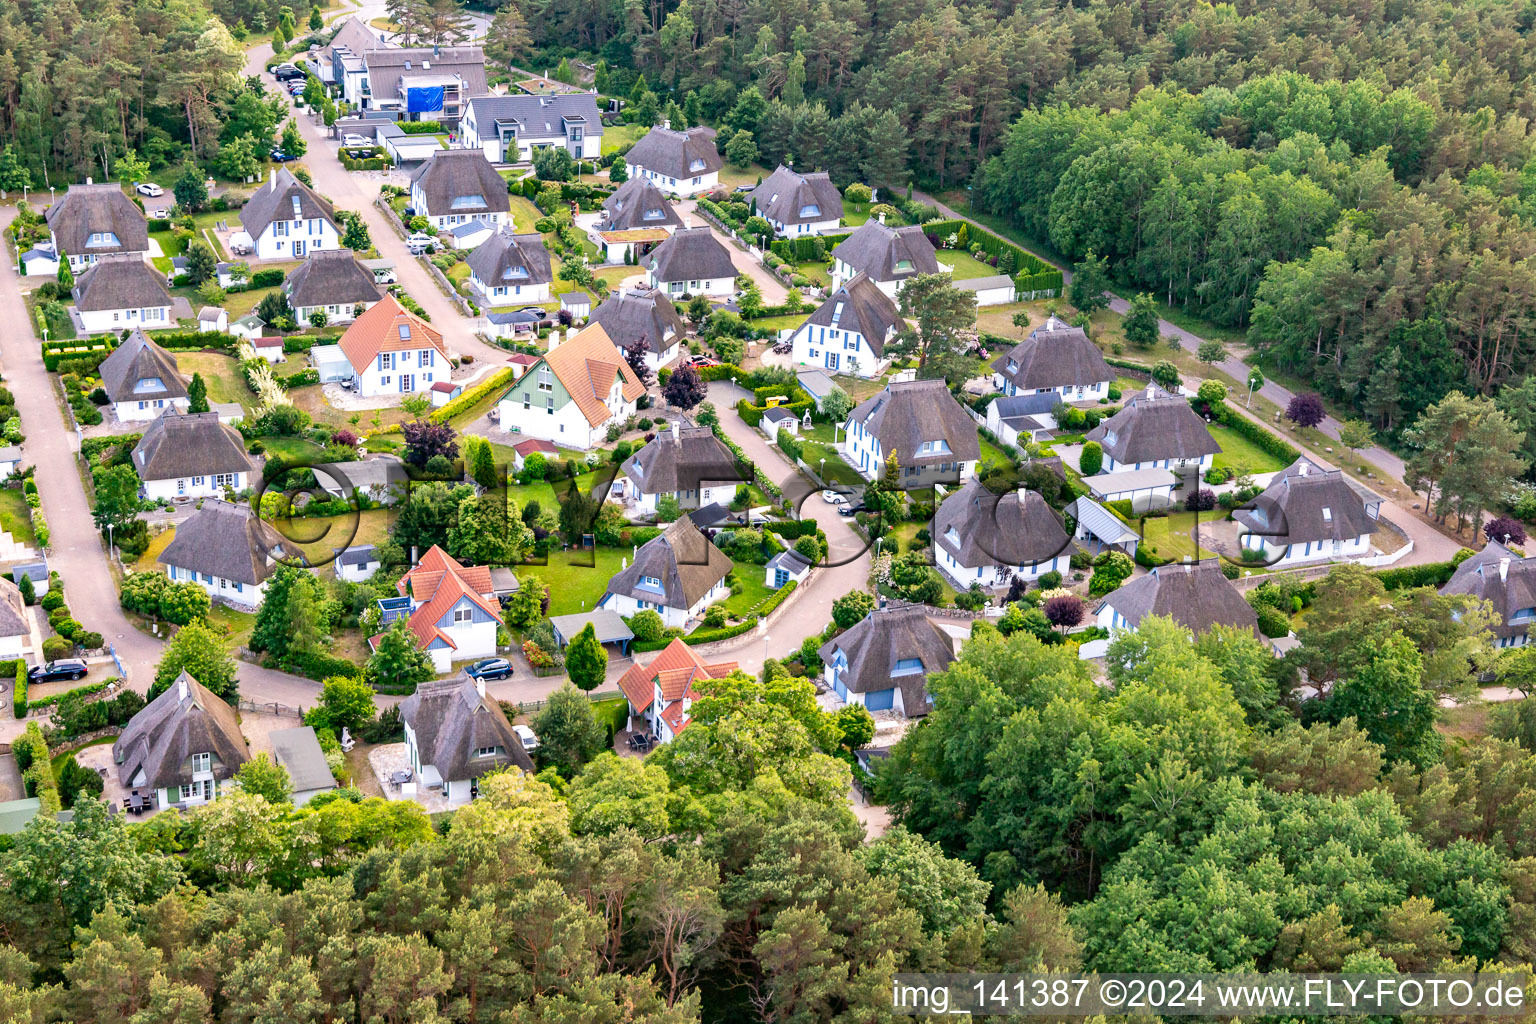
[
  {"x": 777, "y": 598},
  {"x": 501, "y": 378},
  {"x": 793, "y": 529},
  {"x": 1271, "y": 444},
  {"x": 1431, "y": 574},
  {"x": 1024, "y": 261},
  {"x": 79, "y": 691},
  {"x": 19, "y": 688},
  {"x": 1132, "y": 369},
  {"x": 798, "y": 250}
]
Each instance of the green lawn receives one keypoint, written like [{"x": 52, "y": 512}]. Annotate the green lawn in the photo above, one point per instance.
[
  {"x": 543, "y": 492},
  {"x": 577, "y": 579},
  {"x": 1171, "y": 536},
  {"x": 819, "y": 274},
  {"x": 617, "y": 136},
  {"x": 16, "y": 516},
  {"x": 524, "y": 214},
  {"x": 1241, "y": 454},
  {"x": 754, "y": 591},
  {"x": 220, "y": 372},
  {"x": 817, "y": 443},
  {"x": 318, "y": 537},
  {"x": 612, "y": 276},
  {"x": 855, "y": 214},
  {"x": 779, "y": 323},
  {"x": 294, "y": 449},
  {"x": 964, "y": 264}
]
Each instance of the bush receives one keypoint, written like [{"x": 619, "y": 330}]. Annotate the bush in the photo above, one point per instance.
[
  {"x": 19, "y": 701},
  {"x": 1092, "y": 459},
  {"x": 1273, "y": 623},
  {"x": 56, "y": 647},
  {"x": 1050, "y": 580}
]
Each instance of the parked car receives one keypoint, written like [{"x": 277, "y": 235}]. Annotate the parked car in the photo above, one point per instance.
[
  {"x": 148, "y": 188},
  {"x": 831, "y": 497},
  {"x": 279, "y": 156},
  {"x": 419, "y": 243},
  {"x": 70, "y": 668},
  {"x": 362, "y": 154},
  {"x": 846, "y": 509},
  {"x": 489, "y": 668},
  {"x": 286, "y": 72},
  {"x": 528, "y": 736},
  {"x": 700, "y": 362},
  {"x": 744, "y": 188},
  {"x": 354, "y": 139},
  {"x": 296, "y": 89}
]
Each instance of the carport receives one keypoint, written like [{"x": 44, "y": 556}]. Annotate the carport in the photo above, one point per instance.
[{"x": 606, "y": 623}]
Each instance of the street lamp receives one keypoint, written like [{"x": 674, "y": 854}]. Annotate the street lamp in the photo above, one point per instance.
[
  {"x": 1255, "y": 380},
  {"x": 111, "y": 547}
]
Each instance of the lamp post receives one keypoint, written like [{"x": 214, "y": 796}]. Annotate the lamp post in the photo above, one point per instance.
[
  {"x": 111, "y": 546},
  {"x": 1255, "y": 381}
]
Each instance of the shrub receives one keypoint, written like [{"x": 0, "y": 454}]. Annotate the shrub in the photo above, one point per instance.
[
  {"x": 56, "y": 647},
  {"x": 1092, "y": 459}
]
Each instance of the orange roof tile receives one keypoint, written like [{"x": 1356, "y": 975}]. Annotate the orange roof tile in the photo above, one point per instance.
[
  {"x": 437, "y": 582},
  {"x": 424, "y": 577},
  {"x": 676, "y": 718},
  {"x": 676, "y": 667},
  {"x": 586, "y": 366},
  {"x": 378, "y": 330}
]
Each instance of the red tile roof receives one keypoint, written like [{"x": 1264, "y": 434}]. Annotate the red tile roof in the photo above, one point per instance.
[
  {"x": 676, "y": 668},
  {"x": 438, "y": 582},
  {"x": 380, "y": 330}
]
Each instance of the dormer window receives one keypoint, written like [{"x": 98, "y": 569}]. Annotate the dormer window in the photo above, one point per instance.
[
  {"x": 516, "y": 272},
  {"x": 837, "y": 313},
  {"x": 149, "y": 384},
  {"x": 1327, "y": 514},
  {"x": 202, "y": 763},
  {"x": 908, "y": 666},
  {"x": 472, "y": 202},
  {"x": 903, "y": 266},
  {"x": 696, "y": 165},
  {"x": 1013, "y": 366},
  {"x": 810, "y": 210},
  {"x": 651, "y": 582},
  {"x": 486, "y": 751},
  {"x": 101, "y": 239},
  {"x": 940, "y": 447},
  {"x": 654, "y": 215}
]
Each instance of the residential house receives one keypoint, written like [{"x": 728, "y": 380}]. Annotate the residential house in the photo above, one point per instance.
[
  {"x": 15, "y": 620},
  {"x": 786, "y": 567},
  {"x": 646, "y": 318},
  {"x": 511, "y": 269},
  {"x": 450, "y": 607},
  {"x": 573, "y": 393},
  {"x": 677, "y": 575},
  {"x": 1507, "y": 582},
  {"x": 683, "y": 163},
  {"x": 227, "y": 550},
  {"x": 298, "y": 751},
  {"x": 509, "y": 129},
  {"x": 887, "y": 256},
  {"x": 849, "y": 331},
  {"x": 1019, "y": 419},
  {"x": 661, "y": 692},
  {"x": 341, "y": 62},
  {"x": 141, "y": 380},
  {"x": 358, "y": 563},
  {"x": 989, "y": 539},
  {"x": 394, "y": 351},
  {"x": 691, "y": 262},
  {"x": 333, "y": 283},
  {"x": 287, "y": 219},
  {"x": 1155, "y": 429},
  {"x": 798, "y": 204},
  {"x": 532, "y": 446},
  {"x": 380, "y": 480},
  {"x": 191, "y": 455},
  {"x": 471, "y": 234},
  {"x": 419, "y": 83},
  {"x": 1058, "y": 359},
  {"x": 119, "y": 292},
  {"x": 93, "y": 221},
  {"x": 1194, "y": 594},
  {"x": 457, "y": 186},
  {"x": 511, "y": 324},
  {"x": 455, "y": 735},
  {"x": 686, "y": 463},
  {"x": 635, "y": 217},
  {"x": 1307, "y": 514},
  {"x": 883, "y": 661},
  {"x": 933, "y": 438},
  {"x": 185, "y": 745},
  {"x": 271, "y": 349}
]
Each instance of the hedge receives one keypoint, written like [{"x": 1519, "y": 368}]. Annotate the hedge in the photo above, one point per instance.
[
  {"x": 1431, "y": 574},
  {"x": 798, "y": 250},
  {"x": 500, "y": 378},
  {"x": 1132, "y": 369},
  {"x": 371, "y": 163},
  {"x": 319, "y": 666},
  {"x": 793, "y": 529},
  {"x": 302, "y": 379},
  {"x": 420, "y": 127},
  {"x": 270, "y": 278},
  {"x": 777, "y": 598},
  {"x": 91, "y": 353},
  {"x": 19, "y": 690},
  {"x": 1024, "y": 261},
  {"x": 79, "y": 691},
  {"x": 1271, "y": 444}
]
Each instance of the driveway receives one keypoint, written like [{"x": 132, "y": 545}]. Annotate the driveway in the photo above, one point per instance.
[{"x": 774, "y": 292}]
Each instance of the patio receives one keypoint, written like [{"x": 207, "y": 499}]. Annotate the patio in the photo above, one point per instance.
[
  {"x": 98, "y": 758},
  {"x": 392, "y": 768}
]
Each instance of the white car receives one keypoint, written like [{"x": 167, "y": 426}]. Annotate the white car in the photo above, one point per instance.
[
  {"x": 149, "y": 188},
  {"x": 527, "y": 735},
  {"x": 832, "y": 497},
  {"x": 418, "y": 242},
  {"x": 354, "y": 139}
]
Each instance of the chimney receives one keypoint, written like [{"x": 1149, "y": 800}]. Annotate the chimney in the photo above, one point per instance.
[
  {"x": 676, "y": 429},
  {"x": 480, "y": 686},
  {"x": 554, "y": 340},
  {"x": 272, "y": 178},
  {"x": 1301, "y": 468},
  {"x": 666, "y": 123},
  {"x": 1503, "y": 569},
  {"x": 413, "y": 554},
  {"x": 882, "y": 216},
  {"x": 181, "y": 684}
]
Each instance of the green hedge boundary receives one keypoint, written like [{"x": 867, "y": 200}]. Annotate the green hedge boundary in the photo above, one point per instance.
[
  {"x": 1272, "y": 444},
  {"x": 19, "y": 689},
  {"x": 1033, "y": 277},
  {"x": 799, "y": 250},
  {"x": 1431, "y": 574},
  {"x": 501, "y": 378},
  {"x": 79, "y": 691}
]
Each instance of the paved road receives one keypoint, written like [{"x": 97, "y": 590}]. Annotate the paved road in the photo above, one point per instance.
[{"x": 76, "y": 549}]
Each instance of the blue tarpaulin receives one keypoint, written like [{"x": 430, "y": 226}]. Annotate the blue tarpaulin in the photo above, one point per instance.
[{"x": 421, "y": 99}]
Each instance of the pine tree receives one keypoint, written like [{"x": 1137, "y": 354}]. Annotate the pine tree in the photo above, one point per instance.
[
  {"x": 66, "y": 276},
  {"x": 197, "y": 394},
  {"x": 399, "y": 661},
  {"x": 316, "y": 23},
  {"x": 693, "y": 108},
  {"x": 586, "y": 662}
]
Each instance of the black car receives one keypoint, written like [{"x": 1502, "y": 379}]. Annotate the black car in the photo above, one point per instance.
[
  {"x": 287, "y": 73},
  {"x": 56, "y": 670},
  {"x": 489, "y": 668}
]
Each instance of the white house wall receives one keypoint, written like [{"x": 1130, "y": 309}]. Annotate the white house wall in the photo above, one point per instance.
[
  {"x": 138, "y": 412},
  {"x": 836, "y": 351},
  {"x": 686, "y": 187},
  {"x": 220, "y": 589},
  {"x": 151, "y": 318},
  {"x": 294, "y": 239},
  {"x": 209, "y": 486}
]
